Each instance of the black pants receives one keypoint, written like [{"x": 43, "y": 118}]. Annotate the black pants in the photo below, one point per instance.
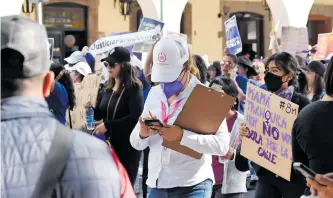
[
  {"x": 145, "y": 172},
  {"x": 271, "y": 186},
  {"x": 131, "y": 162}
]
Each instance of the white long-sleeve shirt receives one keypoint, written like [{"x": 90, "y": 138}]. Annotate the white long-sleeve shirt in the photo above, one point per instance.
[{"x": 169, "y": 168}]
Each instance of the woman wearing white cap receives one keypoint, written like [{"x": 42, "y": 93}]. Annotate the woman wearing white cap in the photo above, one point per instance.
[
  {"x": 79, "y": 71},
  {"x": 172, "y": 174}
]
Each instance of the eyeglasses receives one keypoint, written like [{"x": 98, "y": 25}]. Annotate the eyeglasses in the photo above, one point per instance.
[{"x": 227, "y": 63}]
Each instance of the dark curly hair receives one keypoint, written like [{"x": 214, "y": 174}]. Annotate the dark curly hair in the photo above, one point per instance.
[{"x": 66, "y": 81}]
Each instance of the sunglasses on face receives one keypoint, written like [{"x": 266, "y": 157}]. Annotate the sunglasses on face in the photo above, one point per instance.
[{"x": 106, "y": 64}]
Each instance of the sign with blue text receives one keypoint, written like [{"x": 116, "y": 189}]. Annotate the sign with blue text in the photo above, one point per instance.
[
  {"x": 148, "y": 24},
  {"x": 269, "y": 120},
  {"x": 233, "y": 39}
]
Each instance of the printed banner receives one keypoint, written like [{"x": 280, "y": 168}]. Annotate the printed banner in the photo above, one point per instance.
[
  {"x": 324, "y": 47},
  {"x": 147, "y": 24},
  {"x": 106, "y": 44},
  {"x": 234, "y": 41},
  {"x": 85, "y": 91},
  {"x": 269, "y": 120},
  {"x": 294, "y": 40}
]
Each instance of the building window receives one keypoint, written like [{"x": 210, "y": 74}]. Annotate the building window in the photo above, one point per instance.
[{"x": 251, "y": 30}]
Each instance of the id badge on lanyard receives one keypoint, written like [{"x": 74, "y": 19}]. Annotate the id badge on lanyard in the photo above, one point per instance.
[{"x": 165, "y": 119}]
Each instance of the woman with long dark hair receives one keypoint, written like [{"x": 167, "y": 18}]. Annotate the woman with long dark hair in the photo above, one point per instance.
[
  {"x": 62, "y": 96},
  {"x": 284, "y": 79},
  {"x": 315, "y": 74},
  {"x": 203, "y": 71},
  {"x": 119, "y": 106}
]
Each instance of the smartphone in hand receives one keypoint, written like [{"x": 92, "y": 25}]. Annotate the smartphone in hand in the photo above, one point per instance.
[
  {"x": 153, "y": 122},
  {"x": 304, "y": 170}
]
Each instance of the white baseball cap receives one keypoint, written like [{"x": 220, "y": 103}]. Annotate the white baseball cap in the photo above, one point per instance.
[
  {"x": 82, "y": 67},
  {"x": 169, "y": 55},
  {"x": 75, "y": 57}
]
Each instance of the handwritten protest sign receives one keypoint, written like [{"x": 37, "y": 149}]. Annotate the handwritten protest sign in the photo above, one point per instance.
[
  {"x": 294, "y": 40},
  {"x": 147, "y": 24},
  {"x": 106, "y": 44},
  {"x": 234, "y": 41},
  {"x": 85, "y": 91},
  {"x": 324, "y": 47},
  {"x": 269, "y": 121}
]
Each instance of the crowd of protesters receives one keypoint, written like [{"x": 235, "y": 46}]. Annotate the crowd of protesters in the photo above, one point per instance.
[{"x": 42, "y": 157}]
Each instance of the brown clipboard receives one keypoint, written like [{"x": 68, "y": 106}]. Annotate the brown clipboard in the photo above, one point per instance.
[{"x": 203, "y": 113}]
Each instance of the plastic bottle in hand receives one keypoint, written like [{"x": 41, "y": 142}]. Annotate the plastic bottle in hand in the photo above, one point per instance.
[{"x": 90, "y": 118}]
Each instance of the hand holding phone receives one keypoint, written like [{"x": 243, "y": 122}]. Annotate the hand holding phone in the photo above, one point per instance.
[
  {"x": 304, "y": 170},
  {"x": 153, "y": 122}
]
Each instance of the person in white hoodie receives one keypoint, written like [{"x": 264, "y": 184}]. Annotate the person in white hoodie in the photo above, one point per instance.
[
  {"x": 173, "y": 174},
  {"x": 230, "y": 182}
]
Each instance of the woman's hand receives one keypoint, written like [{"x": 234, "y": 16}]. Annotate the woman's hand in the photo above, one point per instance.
[
  {"x": 144, "y": 130},
  {"x": 243, "y": 130},
  {"x": 170, "y": 132},
  {"x": 322, "y": 185},
  {"x": 100, "y": 129},
  {"x": 230, "y": 155},
  {"x": 87, "y": 105}
]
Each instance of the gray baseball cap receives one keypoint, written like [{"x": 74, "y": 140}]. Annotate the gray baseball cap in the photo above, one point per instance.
[{"x": 29, "y": 38}]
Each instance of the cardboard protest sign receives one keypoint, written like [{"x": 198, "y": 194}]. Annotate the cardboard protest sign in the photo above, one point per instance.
[
  {"x": 106, "y": 44},
  {"x": 85, "y": 91},
  {"x": 51, "y": 47},
  {"x": 324, "y": 46},
  {"x": 294, "y": 40},
  {"x": 269, "y": 119},
  {"x": 234, "y": 41},
  {"x": 147, "y": 24}
]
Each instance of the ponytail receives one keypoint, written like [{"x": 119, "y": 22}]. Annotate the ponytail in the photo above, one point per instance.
[{"x": 300, "y": 82}]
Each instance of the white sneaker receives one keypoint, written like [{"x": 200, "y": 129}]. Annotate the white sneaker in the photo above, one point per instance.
[{"x": 254, "y": 177}]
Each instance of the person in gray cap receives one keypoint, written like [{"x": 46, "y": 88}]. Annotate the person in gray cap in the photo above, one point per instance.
[{"x": 40, "y": 157}]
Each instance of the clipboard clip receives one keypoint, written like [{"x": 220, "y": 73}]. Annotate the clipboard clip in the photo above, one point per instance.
[{"x": 218, "y": 88}]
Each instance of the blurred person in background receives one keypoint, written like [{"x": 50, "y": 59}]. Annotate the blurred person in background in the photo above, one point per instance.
[
  {"x": 229, "y": 182},
  {"x": 315, "y": 74},
  {"x": 312, "y": 135},
  {"x": 300, "y": 60},
  {"x": 214, "y": 70},
  {"x": 119, "y": 107},
  {"x": 62, "y": 96},
  {"x": 79, "y": 71},
  {"x": 203, "y": 72}
]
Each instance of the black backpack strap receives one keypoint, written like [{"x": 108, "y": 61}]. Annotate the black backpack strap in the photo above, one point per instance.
[{"x": 55, "y": 162}]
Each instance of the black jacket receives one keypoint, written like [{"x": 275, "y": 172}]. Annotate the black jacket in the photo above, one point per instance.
[
  {"x": 242, "y": 162},
  {"x": 127, "y": 114}
]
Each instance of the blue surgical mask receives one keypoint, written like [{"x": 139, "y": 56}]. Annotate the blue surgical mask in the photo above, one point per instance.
[{"x": 172, "y": 88}]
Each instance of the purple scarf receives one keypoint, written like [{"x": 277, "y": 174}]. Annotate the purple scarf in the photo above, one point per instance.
[{"x": 287, "y": 93}]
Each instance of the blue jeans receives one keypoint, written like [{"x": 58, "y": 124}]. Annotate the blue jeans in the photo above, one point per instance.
[{"x": 201, "y": 190}]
